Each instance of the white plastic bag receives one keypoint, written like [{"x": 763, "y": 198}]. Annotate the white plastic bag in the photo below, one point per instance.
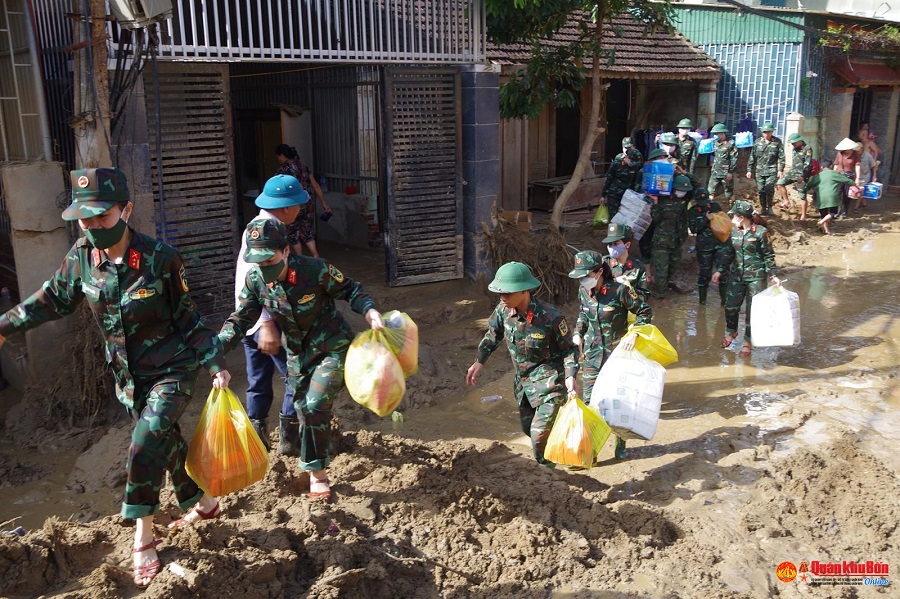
[
  {"x": 775, "y": 318},
  {"x": 628, "y": 394}
]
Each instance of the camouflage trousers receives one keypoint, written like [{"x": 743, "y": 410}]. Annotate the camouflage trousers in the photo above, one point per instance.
[
  {"x": 537, "y": 422},
  {"x": 714, "y": 182},
  {"x": 706, "y": 261},
  {"x": 740, "y": 292},
  {"x": 613, "y": 202},
  {"x": 157, "y": 445},
  {"x": 315, "y": 388},
  {"x": 765, "y": 184},
  {"x": 665, "y": 259}
]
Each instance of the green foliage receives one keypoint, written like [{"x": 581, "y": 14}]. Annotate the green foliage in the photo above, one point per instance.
[{"x": 885, "y": 38}]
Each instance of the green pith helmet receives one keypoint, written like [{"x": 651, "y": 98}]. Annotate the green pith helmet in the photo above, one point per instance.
[
  {"x": 668, "y": 138},
  {"x": 767, "y": 126},
  {"x": 634, "y": 154},
  {"x": 795, "y": 137},
  {"x": 617, "y": 231},
  {"x": 94, "y": 191},
  {"x": 682, "y": 183},
  {"x": 656, "y": 153},
  {"x": 627, "y": 142},
  {"x": 586, "y": 262},
  {"x": 719, "y": 128},
  {"x": 512, "y": 277},
  {"x": 263, "y": 237},
  {"x": 742, "y": 208},
  {"x": 685, "y": 124}
]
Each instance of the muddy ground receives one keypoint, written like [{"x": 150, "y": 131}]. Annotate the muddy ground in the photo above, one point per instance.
[{"x": 788, "y": 455}]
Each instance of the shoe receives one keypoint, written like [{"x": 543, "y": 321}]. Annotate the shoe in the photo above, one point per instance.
[
  {"x": 728, "y": 339},
  {"x": 745, "y": 349},
  {"x": 289, "y": 435},
  {"x": 210, "y": 515},
  {"x": 621, "y": 454},
  {"x": 703, "y": 291},
  {"x": 148, "y": 571},
  {"x": 262, "y": 429}
]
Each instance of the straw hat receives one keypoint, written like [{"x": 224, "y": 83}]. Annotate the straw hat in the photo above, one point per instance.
[{"x": 846, "y": 144}]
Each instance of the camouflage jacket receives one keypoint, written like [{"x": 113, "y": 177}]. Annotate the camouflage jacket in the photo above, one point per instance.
[
  {"x": 766, "y": 157},
  {"x": 632, "y": 273},
  {"x": 541, "y": 348},
  {"x": 669, "y": 216},
  {"x": 150, "y": 324},
  {"x": 303, "y": 305},
  {"x": 620, "y": 177},
  {"x": 725, "y": 158},
  {"x": 603, "y": 317},
  {"x": 687, "y": 150},
  {"x": 698, "y": 222},
  {"x": 749, "y": 256},
  {"x": 801, "y": 160}
]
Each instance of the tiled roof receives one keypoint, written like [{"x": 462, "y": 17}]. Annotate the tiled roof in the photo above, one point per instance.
[{"x": 657, "y": 56}]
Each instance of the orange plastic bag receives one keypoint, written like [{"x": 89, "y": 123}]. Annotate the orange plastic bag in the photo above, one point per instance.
[
  {"x": 373, "y": 375},
  {"x": 226, "y": 454},
  {"x": 577, "y": 436},
  {"x": 401, "y": 336},
  {"x": 721, "y": 226}
]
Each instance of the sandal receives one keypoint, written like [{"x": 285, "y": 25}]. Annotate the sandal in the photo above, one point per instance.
[
  {"x": 745, "y": 349},
  {"x": 183, "y": 521},
  {"x": 728, "y": 339},
  {"x": 319, "y": 495},
  {"x": 148, "y": 571}
]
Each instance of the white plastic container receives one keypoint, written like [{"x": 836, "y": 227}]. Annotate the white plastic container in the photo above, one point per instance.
[
  {"x": 775, "y": 318},
  {"x": 634, "y": 212},
  {"x": 628, "y": 394}
]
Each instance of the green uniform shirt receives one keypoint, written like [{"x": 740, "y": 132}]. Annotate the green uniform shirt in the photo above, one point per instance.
[
  {"x": 767, "y": 157},
  {"x": 668, "y": 214},
  {"x": 725, "y": 157},
  {"x": 633, "y": 273},
  {"x": 621, "y": 177},
  {"x": 687, "y": 153},
  {"x": 800, "y": 162},
  {"x": 603, "y": 318},
  {"x": 749, "y": 256},
  {"x": 698, "y": 223},
  {"x": 304, "y": 307},
  {"x": 540, "y": 345},
  {"x": 150, "y": 324},
  {"x": 827, "y": 185}
]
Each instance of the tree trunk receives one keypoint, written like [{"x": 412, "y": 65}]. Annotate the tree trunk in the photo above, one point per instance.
[{"x": 584, "y": 159}]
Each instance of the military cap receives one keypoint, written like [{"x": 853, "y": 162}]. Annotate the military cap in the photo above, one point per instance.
[
  {"x": 627, "y": 142},
  {"x": 685, "y": 124},
  {"x": 617, "y": 231},
  {"x": 96, "y": 190},
  {"x": 668, "y": 138},
  {"x": 767, "y": 126},
  {"x": 682, "y": 183},
  {"x": 586, "y": 262},
  {"x": 742, "y": 208},
  {"x": 513, "y": 277},
  {"x": 263, "y": 237},
  {"x": 634, "y": 154},
  {"x": 701, "y": 196},
  {"x": 719, "y": 128},
  {"x": 282, "y": 191},
  {"x": 795, "y": 137},
  {"x": 656, "y": 153}
]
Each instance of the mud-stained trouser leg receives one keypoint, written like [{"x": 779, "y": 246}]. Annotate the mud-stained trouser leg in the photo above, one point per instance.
[
  {"x": 157, "y": 446},
  {"x": 753, "y": 287},
  {"x": 537, "y": 422},
  {"x": 733, "y": 301},
  {"x": 314, "y": 393},
  {"x": 705, "y": 260}
]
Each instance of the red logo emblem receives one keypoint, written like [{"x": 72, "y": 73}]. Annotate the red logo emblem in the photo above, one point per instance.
[
  {"x": 83, "y": 181},
  {"x": 786, "y": 572}
]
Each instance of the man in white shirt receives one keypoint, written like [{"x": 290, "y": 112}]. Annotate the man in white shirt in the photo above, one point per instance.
[{"x": 281, "y": 199}]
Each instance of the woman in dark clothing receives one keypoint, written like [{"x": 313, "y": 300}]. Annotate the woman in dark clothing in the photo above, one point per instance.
[{"x": 303, "y": 230}]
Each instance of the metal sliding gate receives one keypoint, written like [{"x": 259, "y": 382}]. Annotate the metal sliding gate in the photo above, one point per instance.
[{"x": 423, "y": 156}]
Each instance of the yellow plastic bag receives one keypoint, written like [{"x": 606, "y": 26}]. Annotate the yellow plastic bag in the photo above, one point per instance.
[
  {"x": 577, "y": 436},
  {"x": 373, "y": 374},
  {"x": 401, "y": 336},
  {"x": 720, "y": 225},
  {"x": 654, "y": 345},
  {"x": 226, "y": 454},
  {"x": 601, "y": 217}
]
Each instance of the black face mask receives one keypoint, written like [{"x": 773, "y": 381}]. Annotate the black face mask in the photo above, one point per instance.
[
  {"x": 106, "y": 238},
  {"x": 270, "y": 272}
]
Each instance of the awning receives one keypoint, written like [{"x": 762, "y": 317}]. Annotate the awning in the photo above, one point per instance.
[{"x": 864, "y": 73}]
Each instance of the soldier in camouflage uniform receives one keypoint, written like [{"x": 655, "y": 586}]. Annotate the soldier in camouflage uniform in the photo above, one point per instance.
[
  {"x": 603, "y": 318},
  {"x": 154, "y": 343},
  {"x": 801, "y": 161},
  {"x": 767, "y": 160},
  {"x": 299, "y": 292},
  {"x": 725, "y": 161},
  {"x": 687, "y": 147},
  {"x": 672, "y": 147},
  {"x": 625, "y": 172},
  {"x": 540, "y": 345},
  {"x": 750, "y": 262},
  {"x": 708, "y": 247},
  {"x": 669, "y": 218},
  {"x": 625, "y": 269}
]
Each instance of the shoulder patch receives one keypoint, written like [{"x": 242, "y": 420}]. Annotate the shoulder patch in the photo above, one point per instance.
[
  {"x": 183, "y": 279},
  {"x": 335, "y": 273},
  {"x": 563, "y": 327}
]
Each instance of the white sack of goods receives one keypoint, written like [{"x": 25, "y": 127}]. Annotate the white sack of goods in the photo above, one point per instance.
[
  {"x": 775, "y": 318},
  {"x": 628, "y": 394}
]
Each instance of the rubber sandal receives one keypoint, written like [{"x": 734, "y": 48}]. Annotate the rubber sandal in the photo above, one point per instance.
[
  {"x": 745, "y": 350},
  {"x": 319, "y": 495},
  {"x": 211, "y": 514},
  {"x": 728, "y": 339},
  {"x": 148, "y": 571}
]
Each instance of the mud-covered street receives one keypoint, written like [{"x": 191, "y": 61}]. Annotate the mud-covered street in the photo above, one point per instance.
[{"x": 788, "y": 455}]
